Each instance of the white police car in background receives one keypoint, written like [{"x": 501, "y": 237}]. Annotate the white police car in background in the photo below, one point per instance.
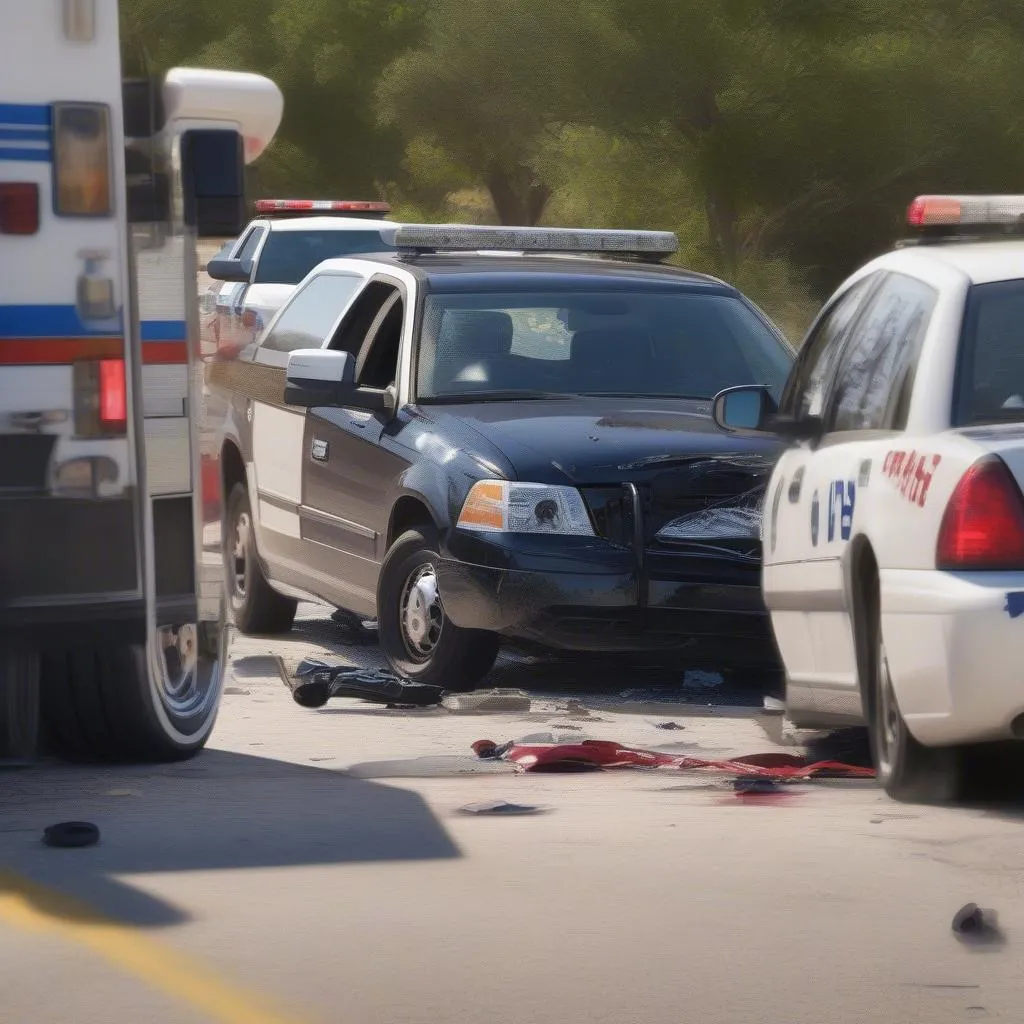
[
  {"x": 893, "y": 533},
  {"x": 256, "y": 273}
]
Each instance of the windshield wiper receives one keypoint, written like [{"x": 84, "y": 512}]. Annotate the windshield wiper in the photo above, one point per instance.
[
  {"x": 497, "y": 395},
  {"x": 641, "y": 395}
]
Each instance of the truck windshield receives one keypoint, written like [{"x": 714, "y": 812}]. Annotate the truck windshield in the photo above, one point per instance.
[
  {"x": 288, "y": 256},
  {"x": 991, "y": 373},
  {"x": 665, "y": 343}
]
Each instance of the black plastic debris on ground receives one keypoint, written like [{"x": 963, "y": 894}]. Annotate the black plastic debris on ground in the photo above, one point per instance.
[
  {"x": 501, "y": 808},
  {"x": 754, "y": 786},
  {"x": 354, "y": 631},
  {"x": 316, "y": 682},
  {"x": 668, "y": 725},
  {"x": 974, "y": 926},
  {"x": 71, "y": 834}
]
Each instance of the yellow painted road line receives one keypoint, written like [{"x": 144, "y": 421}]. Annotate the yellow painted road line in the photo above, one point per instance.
[{"x": 34, "y": 908}]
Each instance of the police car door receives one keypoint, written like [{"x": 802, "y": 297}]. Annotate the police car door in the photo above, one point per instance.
[
  {"x": 866, "y": 406},
  {"x": 307, "y": 321},
  {"x": 793, "y": 529}
]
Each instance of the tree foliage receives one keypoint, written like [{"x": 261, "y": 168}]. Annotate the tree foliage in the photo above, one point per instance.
[{"x": 782, "y": 141}]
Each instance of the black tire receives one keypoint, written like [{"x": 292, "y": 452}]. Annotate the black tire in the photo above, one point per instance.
[
  {"x": 458, "y": 659},
  {"x": 104, "y": 704},
  {"x": 256, "y": 607},
  {"x": 907, "y": 770},
  {"x": 19, "y": 704}
]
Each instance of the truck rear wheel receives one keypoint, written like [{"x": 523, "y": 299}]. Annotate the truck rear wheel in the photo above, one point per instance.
[
  {"x": 256, "y": 606},
  {"x": 107, "y": 703}
]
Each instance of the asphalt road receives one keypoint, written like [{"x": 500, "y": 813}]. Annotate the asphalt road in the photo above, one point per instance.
[{"x": 314, "y": 866}]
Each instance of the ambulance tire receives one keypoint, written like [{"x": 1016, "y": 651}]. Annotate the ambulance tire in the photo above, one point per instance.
[
  {"x": 907, "y": 770},
  {"x": 102, "y": 703},
  {"x": 257, "y": 608},
  {"x": 428, "y": 647},
  {"x": 19, "y": 704}
]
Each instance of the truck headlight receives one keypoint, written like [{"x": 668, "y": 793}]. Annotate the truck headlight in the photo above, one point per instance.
[{"x": 502, "y": 506}]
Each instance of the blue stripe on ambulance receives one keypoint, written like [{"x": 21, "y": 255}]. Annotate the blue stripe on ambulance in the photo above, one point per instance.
[{"x": 22, "y": 123}]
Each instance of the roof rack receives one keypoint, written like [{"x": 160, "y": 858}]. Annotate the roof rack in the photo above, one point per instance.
[
  {"x": 281, "y": 209},
  {"x": 418, "y": 239},
  {"x": 964, "y": 218}
]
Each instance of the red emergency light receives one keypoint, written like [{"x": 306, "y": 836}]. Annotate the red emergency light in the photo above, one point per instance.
[
  {"x": 307, "y": 207},
  {"x": 966, "y": 212}
]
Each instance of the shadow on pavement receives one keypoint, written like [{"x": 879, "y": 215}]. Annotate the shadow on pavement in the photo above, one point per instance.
[{"x": 220, "y": 811}]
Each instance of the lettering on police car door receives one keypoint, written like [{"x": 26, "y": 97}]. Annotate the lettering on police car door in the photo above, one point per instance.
[
  {"x": 912, "y": 473},
  {"x": 842, "y": 494}
]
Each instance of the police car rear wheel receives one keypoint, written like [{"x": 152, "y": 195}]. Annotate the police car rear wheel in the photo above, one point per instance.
[
  {"x": 417, "y": 638},
  {"x": 256, "y": 606},
  {"x": 128, "y": 703},
  {"x": 907, "y": 770}
]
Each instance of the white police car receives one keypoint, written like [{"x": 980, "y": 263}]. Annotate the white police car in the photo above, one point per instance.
[
  {"x": 894, "y": 527},
  {"x": 254, "y": 275}
]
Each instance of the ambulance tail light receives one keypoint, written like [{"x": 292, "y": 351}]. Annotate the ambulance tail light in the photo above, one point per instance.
[
  {"x": 101, "y": 398},
  {"x": 19, "y": 208},
  {"x": 983, "y": 526}
]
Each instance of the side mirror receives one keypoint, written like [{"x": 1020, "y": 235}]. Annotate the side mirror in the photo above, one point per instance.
[
  {"x": 213, "y": 182},
  {"x": 743, "y": 410},
  {"x": 235, "y": 271},
  {"x": 323, "y": 377}
]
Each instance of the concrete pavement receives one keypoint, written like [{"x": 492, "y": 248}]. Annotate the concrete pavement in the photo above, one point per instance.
[{"x": 287, "y": 875}]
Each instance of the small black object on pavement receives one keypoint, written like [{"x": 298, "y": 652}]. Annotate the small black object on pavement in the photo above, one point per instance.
[
  {"x": 316, "y": 682},
  {"x": 71, "y": 834}
]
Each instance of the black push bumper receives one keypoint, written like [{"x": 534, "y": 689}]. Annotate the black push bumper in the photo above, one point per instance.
[{"x": 599, "y": 601}]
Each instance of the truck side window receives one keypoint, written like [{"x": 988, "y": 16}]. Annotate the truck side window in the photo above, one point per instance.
[
  {"x": 377, "y": 365},
  {"x": 312, "y": 313},
  {"x": 352, "y": 333}
]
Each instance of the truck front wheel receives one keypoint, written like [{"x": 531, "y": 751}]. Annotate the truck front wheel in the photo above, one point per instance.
[{"x": 129, "y": 704}]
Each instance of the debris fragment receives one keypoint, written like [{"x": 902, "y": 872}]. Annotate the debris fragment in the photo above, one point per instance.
[
  {"x": 668, "y": 725},
  {"x": 355, "y": 631},
  {"x": 481, "y": 702},
  {"x": 500, "y": 807},
  {"x": 236, "y": 691},
  {"x": 316, "y": 682},
  {"x": 755, "y": 785},
  {"x": 71, "y": 834},
  {"x": 774, "y": 705},
  {"x": 974, "y": 925},
  {"x": 597, "y": 754}
]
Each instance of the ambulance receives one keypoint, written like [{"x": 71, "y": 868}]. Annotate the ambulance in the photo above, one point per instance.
[{"x": 112, "y": 628}]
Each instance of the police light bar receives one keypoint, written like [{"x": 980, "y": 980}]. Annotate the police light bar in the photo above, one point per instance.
[
  {"x": 300, "y": 207},
  {"x": 966, "y": 211},
  {"x": 477, "y": 238}
]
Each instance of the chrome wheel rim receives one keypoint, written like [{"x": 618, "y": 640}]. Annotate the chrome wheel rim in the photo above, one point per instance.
[
  {"x": 240, "y": 553},
  {"x": 888, "y": 714},
  {"x": 183, "y": 687},
  {"x": 421, "y": 613}
]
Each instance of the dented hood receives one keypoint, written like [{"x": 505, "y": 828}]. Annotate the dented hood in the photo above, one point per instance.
[{"x": 593, "y": 441}]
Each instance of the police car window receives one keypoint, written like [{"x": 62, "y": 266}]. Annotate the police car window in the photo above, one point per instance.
[
  {"x": 307, "y": 321},
  {"x": 990, "y": 385},
  {"x": 588, "y": 339},
  {"x": 807, "y": 387},
  {"x": 882, "y": 351},
  {"x": 289, "y": 256}
]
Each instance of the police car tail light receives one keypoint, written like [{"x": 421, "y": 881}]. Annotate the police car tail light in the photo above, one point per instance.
[
  {"x": 965, "y": 211},
  {"x": 983, "y": 525},
  {"x": 499, "y": 506},
  {"x": 101, "y": 398}
]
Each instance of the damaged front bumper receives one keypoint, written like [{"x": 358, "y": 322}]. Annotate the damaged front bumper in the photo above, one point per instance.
[{"x": 575, "y": 594}]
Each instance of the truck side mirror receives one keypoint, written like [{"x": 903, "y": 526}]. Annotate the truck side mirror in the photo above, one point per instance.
[
  {"x": 235, "y": 271},
  {"x": 213, "y": 182},
  {"x": 743, "y": 410},
  {"x": 325, "y": 377}
]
